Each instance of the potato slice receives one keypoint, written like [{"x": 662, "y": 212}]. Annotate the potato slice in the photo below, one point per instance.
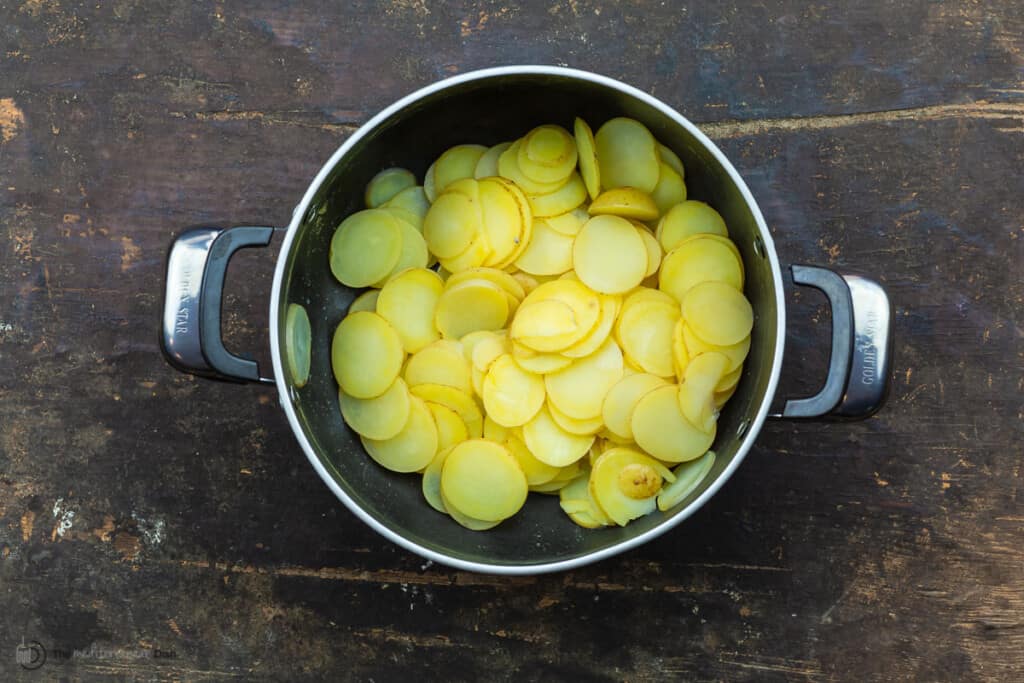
[
  {"x": 512, "y": 396},
  {"x": 587, "y": 157},
  {"x": 645, "y": 333},
  {"x": 579, "y": 390},
  {"x": 450, "y": 397},
  {"x": 538, "y": 362},
  {"x": 456, "y": 163},
  {"x": 508, "y": 167},
  {"x": 489, "y": 350},
  {"x": 413, "y": 254},
  {"x": 569, "y": 223},
  {"x": 612, "y": 495},
  {"x": 736, "y": 353},
  {"x": 483, "y": 480},
  {"x": 536, "y": 472},
  {"x": 429, "y": 187},
  {"x": 441, "y": 362},
  {"x": 627, "y": 202},
  {"x": 366, "y": 355},
  {"x": 722, "y": 397},
  {"x": 528, "y": 282},
  {"x": 672, "y": 159},
  {"x": 470, "y": 341},
  {"x": 654, "y": 253},
  {"x": 696, "y": 393},
  {"x": 718, "y": 313},
  {"x": 297, "y": 340},
  {"x": 451, "y": 430},
  {"x": 409, "y": 302},
  {"x": 729, "y": 380},
  {"x": 367, "y": 301},
  {"x": 687, "y": 219},
  {"x": 380, "y": 417},
  {"x": 548, "y": 253},
  {"x": 487, "y": 165},
  {"x": 680, "y": 353},
  {"x": 471, "y": 306},
  {"x": 610, "y": 306},
  {"x": 572, "y": 425},
  {"x": 577, "y": 492},
  {"x": 622, "y": 399},
  {"x": 412, "y": 201},
  {"x": 431, "y": 484},
  {"x": 502, "y": 219},
  {"x": 495, "y": 432},
  {"x": 689, "y": 476},
  {"x": 365, "y": 247},
  {"x": 609, "y": 255},
  {"x": 451, "y": 225},
  {"x": 670, "y": 190},
  {"x": 627, "y": 155},
  {"x": 697, "y": 261},
  {"x": 386, "y": 184},
  {"x": 566, "y": 198},
  {"x": 551, "y": 444},
  {"x": 646, "y": 295},
  {"x": 465, "y": 520},
  {"x": 413, "y": 447},
  {"x": 660, "y": 428},
  {"x": 498, "y": 277},
  {"x": 547, "y": 154},
  {"x": 556, "y": 315}
]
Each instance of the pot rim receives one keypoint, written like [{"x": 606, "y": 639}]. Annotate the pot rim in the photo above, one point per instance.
[{"x": 285, "y": 390}]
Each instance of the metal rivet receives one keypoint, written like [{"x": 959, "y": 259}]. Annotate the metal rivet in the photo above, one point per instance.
[
  {"x": 759, "y": 247},
  {"x": 742, "y": 429}
]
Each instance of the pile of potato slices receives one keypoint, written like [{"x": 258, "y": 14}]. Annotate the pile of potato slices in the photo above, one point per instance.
[{"x": 550, "y": 314}]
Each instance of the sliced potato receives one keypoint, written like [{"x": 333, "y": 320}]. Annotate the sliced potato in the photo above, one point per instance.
[
  {"x": 569, "y": 223},
  {"x": 512, "y": 396},
  {"x": 551, "y": 444},
  {"x": 736, "y": 353},
  {"x": 696, "y": 393},
  {"x": 495, "y": 432},
  {"x": 556, "y": 315},
  {"x": 654, "y": 253},
  {"x": 689, "y": 476},
  {"x": 627, "y": 155},
  {"x": 645, "y": 333},
  {"x": 576, "y": 495},
  {"x": 536, "y": 472},
  {"x": 440, "y": 362},
  {"x": 593, "y": 340},
  {"x": 365, "y": 247},
  {"x": 366, "y": 354},
  {"x": 579, "y": 390},
  {"x": 489, "y": 350},
  {"x": 470, "y": 306},
  {"x": 465, "y": 520},
  {"x": 729, "y": 380},
  {"x": 409, "y": 302},
  {"x": 451, "y": 225},
  {"x": 718, "y": 313},
  {"x": 456, "y": 163},
  {"x": 660, "y": 428},
  {"x": 627, "y": 202},
  {"x": 612, "y": 494},
  {"x": 386, "y": 184},
  {"x": 459, "y": 401},
  {"x": 622, "y": 399},
  {"x": 686, "y": 219},
  {"x": 538, "y": 362},
  {"x": 566, "y": 198},
  {"x": 547, "y": 154},
  {"x": 431, "y": 484},
  {"x": 413, "y": 447},
  {"x": 412, "y": 255},
  {"x": 574, "y": 426},
  {"x": 487, "y": 165},
  {"x": 548, "y": 253},
  {"x": 587, "y": 157},
  {"x": 451, "y": 430},
  {"x": 380, "y": 417},
  {"x": 670, "y": 190},
  {"x": 609, "y": 255},
  {"x": 483, "y": 480},
  {"x": 672, "y": 159},
  {"x": 413, "y": 201},
  {"x": 297, "y": 341},
  {"x": 508, "y": 167},
  {"x": 696, "y": 261},
  {"x": 367, "y": 301}
]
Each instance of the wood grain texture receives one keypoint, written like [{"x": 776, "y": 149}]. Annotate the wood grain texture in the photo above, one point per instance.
[{"x": 141, "y": 508}]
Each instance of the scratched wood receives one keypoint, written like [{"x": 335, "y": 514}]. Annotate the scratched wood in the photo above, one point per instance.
[{"x": 142, "y": 509}]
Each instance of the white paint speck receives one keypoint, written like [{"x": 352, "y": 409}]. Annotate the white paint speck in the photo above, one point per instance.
[
  {"x": 152, "y": 531},
  {"x": 426, "y": 565}
]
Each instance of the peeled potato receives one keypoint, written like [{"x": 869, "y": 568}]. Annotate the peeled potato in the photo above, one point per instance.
[
  {"x": 413, "y": 201},
  {"x": 366, "y": 355},
  {"x": 460, "y": 402},
  {"x": 488, "y": 350},
  {"x": 622, "y": 399},
  {"x": 576, "y": 495},
  {"x": 495, "y": 432},
  {"x": 386, "y": 184},
  {"x": 573, "y": 425},
  {"x": 609, "y": 255},
  {"x": 551, "y": 444},
  {"x": 627, "y": 155},
  {"x": 618, "y": 498},
  {"x": 661, "y": 430},
  {"x": 367, "y": 301},
  {"x": 455, "y": 164},
  {"x": 736, "y": 353},
  {"x": 645, "y": 333},
  {"x": 627, "y": 202},
  {"x": 556, "y": 315},
  {"x": 471, "y": 306},
  {"x": 566, "y": 198},
  {"x": 654, "y": 253},
  {"x": 441, "y": 362},
  {"x": 697, "y": 261},
  {"x": 508, "y": 167},
  {"x": 686, "y": 219},
  {"x": 498, "y": 277},
  {"x": 718, "y": 313},
  {"x": 537, "y": 361},
  {"x": 587, "y": 155},
  {"x": 451, "y": 225},
  {"x": 365, "y": 247},
  {"x": 696, "y": 393},
  {"x": 672, "y": 159},
  {"x": 548, "y": 253},
  {"x": 593, "y": 340},
  {"x": 413, "y": 447},
  {"x": 547, "y": 154},
  {"x": 483, "y": 480},
  {"x": 297, "y": 339},
  {"x": 729, "y": 380},
  {"x": 689, "y": 475},
  {"x": 670, "y": 190},
  {"x": 471, "y": 523},
  {"x": 451, "y": 430},
  {"x": 680, "y": 353},
  {"x": 431, "y": 484},
  {"x": 579, "y": 390},
  {"x": 569, "y": 223},
  {"x": 408, "y": 302},
  {"x": 487, "y": 164},
  {"x": 380, "y": 417},
  {"x": 512, "y": 396},
  {"x": 502, "y": 219},
  {"x": 536, "y": 472}
]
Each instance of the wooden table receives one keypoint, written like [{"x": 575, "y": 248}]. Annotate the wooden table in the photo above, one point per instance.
[{"x": 145, "y": 511}]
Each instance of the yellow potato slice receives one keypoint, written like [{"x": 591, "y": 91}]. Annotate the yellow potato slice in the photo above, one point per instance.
[
  {"x": 412, "y": 448},
  {"x": 572, "y": 425},
  {"x": 547, "y": 154},
  {"x": 569, "y": 223},
  {"x": 619, "y": 404},
  {"x": 455, "y": 164},
  {"x": 489, "y": 350},
  {"x": 627, "y": 202},
  {"x": 689, "y": 218},
  {"x": 450, "y": 397},
  {"x": 431, "y": 484},
  {"x": 718, "y": 313},
  {"x": 495, "y": 432},
  {"x": 367, "y": 301},
  {"x": 645, "y": 333},
  {"x": 451, "y": 430},
  {"x": 508, "y": 167},
  {"x": 698, "y": 261},
  {"x": 579, "y": 390},
  {"x": 566, "y": 198},
  {"x": 609, "y": 255},
  {"x": 729, "y": 380},
  {"x": 512, "y": 396},
  {"x": 451, "y": 225},
  {"x": 412, "y": 201},
  {"x": 366, "y": 355},
  {"x": 556, "y": 315},
  {"x": 576, "y": 495},
  {"x": 696, "y": 393},
  {"x": 502, "y": 219},
  {"x": 429, "y": 187},
  {"x": 365, "y": 247},
  {"x": 646, "y": 295},
  {"x": 471, "y": 306},
  {"x": 596, "y": 337},
  {"x": 736, "y": 353},
  {"x": 689, "y": 476},
  {"x": 409, "y": 302},
  {"x": 548, "y": 253},
  {"x": 536, "y": 472},
  {"x": 487, "y": 165},
  {"x": 672, "y": 159},
  {"x": 412, "y": 255},
  {"x": 470, "y": 341},
  {"x": 476, "y": 255},
  {"x": 670, "y": 190},
  {"x": 551, "y": 444},
  {"x": 483, "y": 480},
  {"x": 654, "y": 253},
  {"x": 527, "y": 281},
  {"x": 660, "y": 428},
  {"x": 441, "y": 362},
  {"x": 380, "y": 417},
  {"x": 386, "y": 184},
  {"x": 297, "y": 340},
  {"x": 538, "y": 362},
  {"x": 498, "y": 277},
  {"x": 465, "y": 520},
  {"x": 627, "y": 155},
  {"x": 607, "y": 486},
  {"x": 587, "y": 157},
  {"x": 680, "y": 353},
  {"x": 722, "y": 397}
]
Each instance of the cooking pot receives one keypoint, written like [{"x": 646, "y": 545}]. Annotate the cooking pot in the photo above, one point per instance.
[{"x": 488, "y": 107}]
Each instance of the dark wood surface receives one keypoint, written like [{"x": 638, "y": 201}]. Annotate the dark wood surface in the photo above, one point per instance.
[{"x": 141, "y": 508}]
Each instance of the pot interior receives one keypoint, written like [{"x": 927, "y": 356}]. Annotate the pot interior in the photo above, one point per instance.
[{"x": 488, "y": 111}]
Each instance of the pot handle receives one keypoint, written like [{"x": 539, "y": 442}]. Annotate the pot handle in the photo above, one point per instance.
[
  {"x": 191, "y": 336},
  {"x": 858, "y": 372}
]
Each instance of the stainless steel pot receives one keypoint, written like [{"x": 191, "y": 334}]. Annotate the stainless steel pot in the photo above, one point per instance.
[{"x": 487, "y": 107}]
